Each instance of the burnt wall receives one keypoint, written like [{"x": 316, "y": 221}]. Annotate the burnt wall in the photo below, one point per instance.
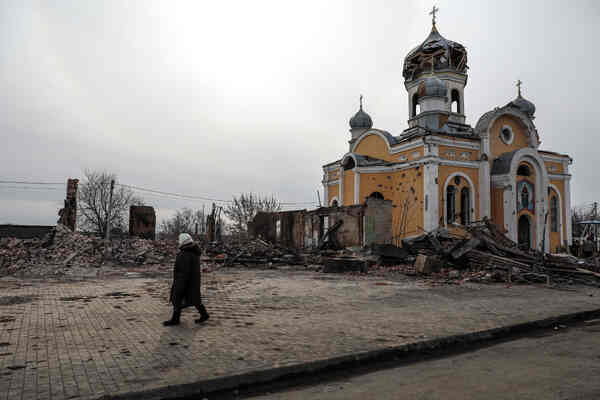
[{"x": 142, "y": 222}]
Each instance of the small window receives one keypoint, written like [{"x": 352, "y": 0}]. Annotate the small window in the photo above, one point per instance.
[
  {"x": 416, "y": 108},
  {"x": 334, "y": 203},
  {"x": 455, "y": 99},
  {"x": 507, "y": 135},
  {"x": 349, "y": 164},
  {"x": 523, "y": 170},
  {"x": 554, "y": 213},
  {"x": 376, "y": 195}
]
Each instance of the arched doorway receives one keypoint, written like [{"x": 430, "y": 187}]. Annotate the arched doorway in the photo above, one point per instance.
[{"x": 524, "y": 232}]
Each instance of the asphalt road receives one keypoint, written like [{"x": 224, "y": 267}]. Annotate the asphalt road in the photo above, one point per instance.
[{"x": 557, "y": 364}]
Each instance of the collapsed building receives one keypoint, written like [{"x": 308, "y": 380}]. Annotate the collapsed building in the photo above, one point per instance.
[{"x": 356, "y": 225}]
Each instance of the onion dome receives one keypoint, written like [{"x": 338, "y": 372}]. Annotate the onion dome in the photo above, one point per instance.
[
  {"x": 523, "y": 104},
  {"x": 432, "y": 86},
  {"x": 361, "y": 119},
  {"x": 444, "y": 54}
]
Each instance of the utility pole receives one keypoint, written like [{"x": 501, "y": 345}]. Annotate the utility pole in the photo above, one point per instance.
[{"x": 107, "y": 236}]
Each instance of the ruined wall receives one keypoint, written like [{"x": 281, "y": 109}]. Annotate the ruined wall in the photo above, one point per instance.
[
  {"x": 305, "y": 229},
  {"x": 68, "y": 214},
  {"x": 142, "y": 222}
]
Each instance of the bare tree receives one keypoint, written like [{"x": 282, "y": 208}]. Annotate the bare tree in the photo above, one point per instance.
[
  {"x": 245, "y": 207},
  {"x": 94, "y": 198},
  {"x": 184, "y": 221}
]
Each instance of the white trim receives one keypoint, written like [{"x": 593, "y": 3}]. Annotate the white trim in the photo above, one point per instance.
[
  {"x": 334, "y": 198},
  {"x": 551, "y": 158},
  {"x": 330, "y": 183},
  {"x": 453, "y": 143},
  {"x": 472, "y": 196},
  {"x": 422, "y": 161},
  {"x": 512, "y": 134},
  {"x": 560, "y": 213},
  {"x": 356, "y": 185},
  {"x": 407, "y": 146}
]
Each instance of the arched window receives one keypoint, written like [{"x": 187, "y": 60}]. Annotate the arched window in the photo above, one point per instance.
[
  {"x": 416, "y": 108},
  {"x": 334, "y": 203},
  {"x": 524, "y": 196},
  {"x": 465, "y": 206},
  {"x": 450, "y": 204},
  {"x": 523, "y": 170},
  {"x": 554, "y": 213},
  {"x": 376, "y": 195},
  {"x": 455, "y": 100}
]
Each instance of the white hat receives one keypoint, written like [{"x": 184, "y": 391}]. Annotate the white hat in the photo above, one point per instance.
[{"x": 184, "y": 239}]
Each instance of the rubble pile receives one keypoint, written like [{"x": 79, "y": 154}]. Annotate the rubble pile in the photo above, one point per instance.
[
  {"x": 251, "y": 252},
  {"x": 63, "y": 249},
  {"x": 491, "y": 256}
]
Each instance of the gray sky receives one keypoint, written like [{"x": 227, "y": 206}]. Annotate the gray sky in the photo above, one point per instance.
[{"x": 217, "y": 98}]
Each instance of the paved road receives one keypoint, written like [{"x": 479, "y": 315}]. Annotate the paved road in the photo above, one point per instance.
[{"x": 558, "y": 365}]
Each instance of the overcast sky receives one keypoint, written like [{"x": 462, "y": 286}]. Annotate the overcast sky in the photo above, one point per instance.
[{"x": 223, "y": 97}]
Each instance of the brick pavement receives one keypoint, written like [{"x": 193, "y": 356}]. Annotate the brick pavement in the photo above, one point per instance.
[{"x": 81, "y": 340}]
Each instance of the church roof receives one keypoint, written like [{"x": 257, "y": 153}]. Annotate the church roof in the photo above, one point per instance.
[{"x": 445, "y": 54}]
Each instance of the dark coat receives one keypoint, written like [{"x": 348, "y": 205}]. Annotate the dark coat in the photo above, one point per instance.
[{"x": 185, "y": 291}]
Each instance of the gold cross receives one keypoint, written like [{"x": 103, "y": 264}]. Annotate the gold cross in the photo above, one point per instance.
[
  {"x": 519, "y": 83},
  {"x": 361, "y": 97},
  {"x": 434, "y": 10}
]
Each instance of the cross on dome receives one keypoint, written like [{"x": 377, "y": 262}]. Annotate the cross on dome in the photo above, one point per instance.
[
  {"x": 519, "y": 83},
  {"x": 433, "y": 11}
]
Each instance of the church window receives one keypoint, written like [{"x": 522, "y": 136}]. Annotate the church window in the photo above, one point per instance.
[
  {"x": 334, "y": 203},
  {"x": 455, "y": 100},
  {"x": 523, "y": 170},
  {"x": 450, "y": 204},
  {"x": 507, "y": 135},
  {"x": 465, "y": 206},
  {"x": 416, "y": 108},
  {"x": 554, "y": 213}
]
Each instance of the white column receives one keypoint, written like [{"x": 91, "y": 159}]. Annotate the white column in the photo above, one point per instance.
[
  {"x": 431, "y": 204},
  {"x": 510, "y": 210},
  {"x": 484, "y": 190},
  {"x": 567, "y": 212}
]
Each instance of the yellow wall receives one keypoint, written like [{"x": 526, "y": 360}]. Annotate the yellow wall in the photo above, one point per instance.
[
  {"x": 409, "y": 155},
  {"x": 497, "y": 146},
  {"x": 560, "y": 185},
  {"x": 333, "y": 191},
  {"x": 373, "y": 146},
  {"x": 558, "y": 169},
  {"x": 497, "y": 206},
  {"x": 405, "y": 189},
  {"x": 443, "y": 173},
  {"x": 348, "y": 187}
]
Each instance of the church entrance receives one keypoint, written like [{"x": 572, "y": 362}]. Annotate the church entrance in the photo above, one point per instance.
[{"x": 524, "y": 232}]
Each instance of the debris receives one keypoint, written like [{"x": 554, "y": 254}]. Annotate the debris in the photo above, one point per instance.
[
  {"x": 426, "y": 265},
  {"x": 344, "y": 264}
]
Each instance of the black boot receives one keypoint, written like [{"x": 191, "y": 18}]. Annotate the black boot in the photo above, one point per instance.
[
  {"x": 203, "y": 314},
  {"x": 174, "y": 319}
]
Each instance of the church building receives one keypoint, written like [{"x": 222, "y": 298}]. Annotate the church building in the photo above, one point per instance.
[{"x": 440, "y": 171}]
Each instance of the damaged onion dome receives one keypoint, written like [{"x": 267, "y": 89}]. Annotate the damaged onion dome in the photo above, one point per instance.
[
  {"x": 524, "y": 105},
  {"x": 445, "y": 54},
  {"x": 361, "y": 120},
  {"x": 432, "y": 86}
]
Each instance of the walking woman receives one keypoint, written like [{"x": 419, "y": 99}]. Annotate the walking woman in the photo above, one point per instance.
[{"x": 185, "y": 291}]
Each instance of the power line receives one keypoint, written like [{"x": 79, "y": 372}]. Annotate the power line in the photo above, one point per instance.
[
  {"x": 32, "y": 183},
  {"x": 29, "y": 188}
]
